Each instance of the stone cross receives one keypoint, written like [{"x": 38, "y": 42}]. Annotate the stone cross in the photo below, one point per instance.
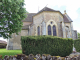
[{"x": 38, "y": 56}]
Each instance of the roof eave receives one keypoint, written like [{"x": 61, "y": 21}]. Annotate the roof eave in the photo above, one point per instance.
[
  {"x": 25, "y": 28},
  {"x": 46, "y": 11}
]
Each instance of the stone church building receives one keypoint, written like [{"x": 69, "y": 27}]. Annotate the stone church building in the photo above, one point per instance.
[{"x": 46, "y": 22}]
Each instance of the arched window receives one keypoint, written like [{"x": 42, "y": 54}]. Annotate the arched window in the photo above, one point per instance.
[
  {"x": 54, "y": 30},
  {"x": 49, "y": 30},
  {"x": 38, "y": 30}
]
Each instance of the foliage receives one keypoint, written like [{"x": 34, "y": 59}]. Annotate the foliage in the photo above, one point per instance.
[
  {"x": 77, "y": 45},
  {"x": 79, "y": 35},
  {"x": 12, "y": 13},
  {"x": 4, "y": 52},
  {"x": 46, "y": 45}
]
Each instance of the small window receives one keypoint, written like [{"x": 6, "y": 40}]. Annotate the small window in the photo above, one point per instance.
[
  {"x": 38, "y": 29},
  {"x": 51, "y": 22},
  {"x": 49, "y": 30},
  {"x": 67, "y": 26},
  {"x": 54, "y": 30}
]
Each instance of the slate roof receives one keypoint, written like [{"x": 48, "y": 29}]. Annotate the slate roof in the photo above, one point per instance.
[
  {"x": 66, "y": 20},
  {"x": 29, "y": 17},
  {"x": 3, "y": 42},
  {"x": 48, "y": 9},
  {"x": 25, "y": 27}
]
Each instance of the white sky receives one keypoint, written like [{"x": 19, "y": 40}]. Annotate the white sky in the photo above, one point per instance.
[{"x": 72, "y": 8}]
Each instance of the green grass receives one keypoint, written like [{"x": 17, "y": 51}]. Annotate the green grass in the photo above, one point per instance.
[{"x": 4, "y": 52}]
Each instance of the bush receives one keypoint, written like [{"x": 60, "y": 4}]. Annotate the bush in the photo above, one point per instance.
[
  {"x": 46, "y": 45},
  {"x": 77, "y": 45}
]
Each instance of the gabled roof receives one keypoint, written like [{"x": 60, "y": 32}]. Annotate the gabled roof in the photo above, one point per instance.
[
  {"x": 29, "y": 17},
  {"x": 26, "y": 27},
  {"x": 66, "y": 20},
  {"x": 48, "y": 9}
]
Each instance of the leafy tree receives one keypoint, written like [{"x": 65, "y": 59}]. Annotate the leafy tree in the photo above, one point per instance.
[
  {"x": 78, "y": 35},
  {"x": 12, "y": 13}
]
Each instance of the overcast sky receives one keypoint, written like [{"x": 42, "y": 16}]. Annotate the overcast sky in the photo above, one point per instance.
[{"x": 72, "y": 8}]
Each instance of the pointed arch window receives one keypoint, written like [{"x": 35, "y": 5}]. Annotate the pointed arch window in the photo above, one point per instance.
[
  {"x": 49, "y": 30},
  {"x": 38, "y": 29},
  {"x": 54, "y": 31}
]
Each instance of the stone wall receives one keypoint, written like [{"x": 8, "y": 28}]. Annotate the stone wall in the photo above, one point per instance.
[
  {"x": 24, "y": 32},
  {"x": 56, "y": 18},
  {"x": 69, "y": 26},
  {"x": 37, "y": 21},
  {"x": 14, "y": 42},
  {"x": 26, "y": 23},
  {"x": 39, "y": 57},
  {"x": 75, "y": 36}
]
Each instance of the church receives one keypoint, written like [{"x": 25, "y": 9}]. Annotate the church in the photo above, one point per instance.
[{"x": 46, "y": 22}]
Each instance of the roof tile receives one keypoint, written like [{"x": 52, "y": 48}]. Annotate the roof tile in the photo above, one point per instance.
[
  {"x": 29, "y": 17},
  {"x": 65, "y": 19}
]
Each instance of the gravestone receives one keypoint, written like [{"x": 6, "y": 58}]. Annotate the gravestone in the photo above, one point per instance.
[
  {"x": 38, "y": 57},
  {"x": 43, "y": 57},
  {"x": 48, "y": 57},
  {"x": 31, "y": 57}
]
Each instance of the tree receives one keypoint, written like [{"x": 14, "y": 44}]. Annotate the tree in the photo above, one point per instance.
[
  {"x": 78, "y": 35},
  {"x": 12, "y": 13}
]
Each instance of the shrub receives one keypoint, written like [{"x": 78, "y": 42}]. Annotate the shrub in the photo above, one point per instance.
[
  {"x": 46, "y": 45},
  {"x": 77, "y": 45}
]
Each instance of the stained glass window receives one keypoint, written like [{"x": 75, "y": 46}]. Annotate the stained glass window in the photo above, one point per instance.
[
  {"x": 54, "y": 30},
  {"x": 51, "y": 22},
  {"x": 49, "y": 30}
]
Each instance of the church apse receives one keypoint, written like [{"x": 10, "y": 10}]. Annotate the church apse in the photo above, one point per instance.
[{"x": 46, "y": 22}]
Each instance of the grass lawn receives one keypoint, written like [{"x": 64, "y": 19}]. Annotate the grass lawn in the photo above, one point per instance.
[{"x": 4, "y": 52}]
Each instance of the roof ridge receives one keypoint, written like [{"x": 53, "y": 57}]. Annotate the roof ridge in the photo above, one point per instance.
[
  {"x": 68, "y": 17},
  {"x": 46, "y": 9},
  {"x": 49, "y": 8},
  {"x": 65, "y": 19},
  {"x": 32, "y": 13}
]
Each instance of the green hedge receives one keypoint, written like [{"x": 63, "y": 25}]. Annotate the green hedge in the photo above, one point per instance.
[
  {"x": 77, "y": 45},
  {"x": 46, "y": 45}
]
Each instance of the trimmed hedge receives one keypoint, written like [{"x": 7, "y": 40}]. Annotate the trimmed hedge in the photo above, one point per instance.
[
  {"x": 77, "y": 45},
  {"x": 46, "y": 45}
]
